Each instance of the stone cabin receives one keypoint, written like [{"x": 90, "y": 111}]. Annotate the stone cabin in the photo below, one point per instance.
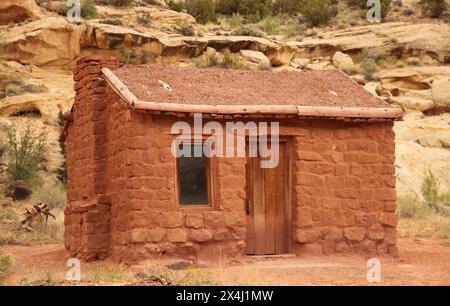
[{"x": 130, "y": 197}]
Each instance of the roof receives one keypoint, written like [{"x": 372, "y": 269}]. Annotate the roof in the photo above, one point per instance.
[
  {"x": 213, "y": 86},
  {"x": 169, "y": 90}
]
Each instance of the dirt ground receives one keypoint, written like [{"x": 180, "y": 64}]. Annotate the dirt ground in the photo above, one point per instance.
[{"x": 424, "y": 261}]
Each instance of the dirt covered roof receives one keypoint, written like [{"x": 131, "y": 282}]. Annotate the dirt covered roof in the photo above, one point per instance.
[{"x": 244, "y": 87}]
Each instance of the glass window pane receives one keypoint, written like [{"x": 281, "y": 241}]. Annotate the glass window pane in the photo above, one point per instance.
[{"x": 193, "y": 182}]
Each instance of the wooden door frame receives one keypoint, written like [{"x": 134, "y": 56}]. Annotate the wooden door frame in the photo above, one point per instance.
[{"x": 288, "y": 211}]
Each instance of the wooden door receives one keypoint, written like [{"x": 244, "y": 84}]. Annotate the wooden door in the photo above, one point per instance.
[{"x": 267, "y": 207}]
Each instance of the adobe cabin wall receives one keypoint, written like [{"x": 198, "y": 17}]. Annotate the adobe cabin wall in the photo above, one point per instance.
[
  {"x": 342, "y": 190},
  {"x": 87, "y": 215}
]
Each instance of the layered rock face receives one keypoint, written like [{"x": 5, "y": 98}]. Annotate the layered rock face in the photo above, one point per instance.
[
  {"x": 12, "y": 11},
  {"x": 50, "y": 41}
]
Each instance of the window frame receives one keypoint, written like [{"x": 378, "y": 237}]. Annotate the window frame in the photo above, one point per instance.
[{"x": 211, "y": 172}]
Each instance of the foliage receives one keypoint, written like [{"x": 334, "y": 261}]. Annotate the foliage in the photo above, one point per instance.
[
  {"x": 433, "y": 8},
  {"x": 317, "y": 12},
  {"x": 410, "y": 207},
  {"x": 225, "y": 59},
  {"x": 5, "y": 265},
  {"x": 227, "y": 7},
  {"x": 248, "y": 30},
  {"x": 88, "y": 9},
  {"x": 202, "y": 10},
  {"x": 176, "y": 6},
  {"x": 368, "y": 68},
  {"x": 430, "y": 187},
  {"x": 120, "y": 2},
  {"x": 287, "y": 6},
  {"x": 185, "y": 29},
  {"x": 231, "y": 60},
  {"x": 127, "y": 56},
  {"x": 25, "y": 149},
  {"x": 13, "y": 85},
  {"x": 254, "y": 10},
  {"x": 144, "y": 19}
]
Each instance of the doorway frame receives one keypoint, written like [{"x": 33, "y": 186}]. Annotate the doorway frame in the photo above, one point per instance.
[{"x": 288, "y": 193}]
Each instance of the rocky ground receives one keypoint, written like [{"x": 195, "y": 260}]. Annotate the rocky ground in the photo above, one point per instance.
[{"x": 421, "y": 262}]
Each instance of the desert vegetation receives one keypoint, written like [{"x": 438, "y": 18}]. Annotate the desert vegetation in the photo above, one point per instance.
[
  {"x": 21, "y": 222},
  {"x": 428, "y": 215}
]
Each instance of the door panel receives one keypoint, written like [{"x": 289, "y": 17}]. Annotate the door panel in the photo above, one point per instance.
[{"x": 267, "y": 221}]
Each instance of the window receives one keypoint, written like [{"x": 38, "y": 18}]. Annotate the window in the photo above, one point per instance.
[{"x": 193, "y": 177}]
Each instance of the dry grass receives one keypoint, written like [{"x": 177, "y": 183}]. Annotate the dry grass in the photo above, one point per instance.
[
  {"x": 109, "y": 274},
  {"x": 418, "y": 219},
  {"x": 5, "y": 265},
  {"x": 42, "y": 232}
]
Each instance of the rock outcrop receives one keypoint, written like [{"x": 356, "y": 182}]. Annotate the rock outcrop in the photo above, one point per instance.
[
  {"x": 395, "y": 38},
  {"x": 422, "y": 143},
  {"x": 14, "y": 11},
  {"x": 50, "y": 41}
]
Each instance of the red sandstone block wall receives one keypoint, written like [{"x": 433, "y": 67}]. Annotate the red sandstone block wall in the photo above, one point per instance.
[
  {"x": 87, "y": 224},
  {"x": 344, "y": 189}
]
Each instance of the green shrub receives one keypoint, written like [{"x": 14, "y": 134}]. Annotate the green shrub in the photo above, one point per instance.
[
  {"x": 225, "y": 59},
  {"x": 25, "y": 149},
  {"x": 368, "y": 68},
  {"x": 433, "y": 8},
  {"x": 271, "y": 25},
  {"x": 120, "y": 2},
  {"x": 5, "y": 266},
  {"x": 176, "y": 6},
  {"x": 227, "y": 7},
  {"x": 377, "y": 54},
  {"x": 410, "y": 207},
  {"x": 413, "y": 61},
  {"x": 254, "y": 10},
  {"x": 287, "y": 6},
  {"x": 144, "y": 19},
  {"x": 232, "y": 61},
  {"x": 430, "y": 187},
  {"x": 185, "y": 29},
  {"x": 13, "y": 85},
  {"x": 317, "y": 12},
  {"x": 202, "y": 10},
  {"x": 88, "y": 9},
  {"x": 248, "y": 30}
]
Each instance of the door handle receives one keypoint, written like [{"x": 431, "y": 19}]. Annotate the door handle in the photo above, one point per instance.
[{"x": 247, "y": 207}]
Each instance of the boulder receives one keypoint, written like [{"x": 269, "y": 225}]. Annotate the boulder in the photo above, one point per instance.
[
  {"x": 300, "y": 63},
  {"x": 411, "y": 103},
  {"x": 342, "y": 60},
  {"x": 255, "y": 57},
  {"x": 18, "y": 10},
  {"x": 441, "y": 92},
  {"x": 49, "y": 41},
  {"x": 18, "y": 191}
]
